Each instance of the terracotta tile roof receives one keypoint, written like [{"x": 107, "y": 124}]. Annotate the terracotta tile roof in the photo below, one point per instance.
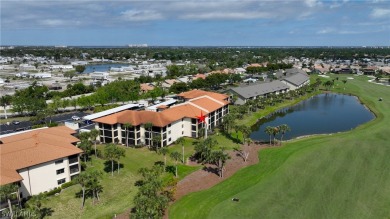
[
  {"x": 171, "y": 81},
  {"x": 190, "y": 109},
  {"x": 9, "y": 176},
  {"x": 203, "y": 76},
  {"x": 146, "y": 87},
  {"x": 208, "y": 103},
  {"x": 197, "y": 93},
  {"x": 34, "y": 147}
]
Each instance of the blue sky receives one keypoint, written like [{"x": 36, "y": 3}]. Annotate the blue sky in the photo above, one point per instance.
[{"x": 196, "y": 23}]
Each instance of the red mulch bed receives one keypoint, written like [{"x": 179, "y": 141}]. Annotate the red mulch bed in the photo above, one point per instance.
[{"x": 204, "y": 178}]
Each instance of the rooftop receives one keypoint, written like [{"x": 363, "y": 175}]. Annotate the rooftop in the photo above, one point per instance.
[{"x": 34, "y": 147}]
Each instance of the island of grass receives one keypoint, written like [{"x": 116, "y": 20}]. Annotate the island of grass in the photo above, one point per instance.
[{"x": 343, "y": 175}]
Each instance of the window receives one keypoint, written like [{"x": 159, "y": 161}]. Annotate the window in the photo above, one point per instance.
[
  {"x": 59, "y": 161},
  {"x": 169, "y": 132},
  {"x": 61, "y": 181},
  {"x": 169, "y": 140},
  {"x": 60, "y": 171},
  {"x": 182, "y": 133}
]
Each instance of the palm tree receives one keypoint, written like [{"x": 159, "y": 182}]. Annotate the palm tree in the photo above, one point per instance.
[
  {"x": 164, "y": 151},
  {"x": 119, "y": 152},
  {"x": 85, "y": 145},
  {"x": 269, "y": 131},
  {"x": 275, "y": 131},
  {"x": 93, "y": 134},
  {"x": 148, "y": 126},
  {"x": 4, "y": 102},
  {"x": 7, "y": 191},
  {"x": 110, "y": 154},
  {"x": 181, "y": 141},
  {"x": 219, "y": 158},
  {"x": 157, "y": 140},
  {"x": 83, "y": 178},
  {"x": 127, "y": 126},
  {"x": 176, "y": 156},
  {"x": 246, "y": 131},
  {"x": 35, "y": 205},
  {"x": 283, "y": 129}
]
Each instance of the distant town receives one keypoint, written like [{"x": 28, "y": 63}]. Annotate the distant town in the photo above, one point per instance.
[{"x": 93, "y": 128}]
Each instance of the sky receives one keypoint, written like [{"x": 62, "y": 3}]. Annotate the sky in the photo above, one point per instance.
[{"x": 195, "y": 23}]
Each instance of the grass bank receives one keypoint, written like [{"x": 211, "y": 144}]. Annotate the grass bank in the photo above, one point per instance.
[{"x": 343, "y": 175}]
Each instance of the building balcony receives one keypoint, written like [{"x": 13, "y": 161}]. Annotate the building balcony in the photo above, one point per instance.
[
  {"x": 73, "y": 160},
  {"x": 74, "y": 169}
]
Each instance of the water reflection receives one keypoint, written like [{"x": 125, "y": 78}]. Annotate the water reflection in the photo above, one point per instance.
[{"x": 324, "y": 113}]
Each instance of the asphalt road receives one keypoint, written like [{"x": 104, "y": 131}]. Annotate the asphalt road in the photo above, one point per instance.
[{"x": 25, "y": 125}]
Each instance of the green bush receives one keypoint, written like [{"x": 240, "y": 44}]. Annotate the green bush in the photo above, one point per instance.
[
  {"x": 52, "y": 124},
  {"x": 53, "y": 192},
  {"x": 68, "y": 184}
]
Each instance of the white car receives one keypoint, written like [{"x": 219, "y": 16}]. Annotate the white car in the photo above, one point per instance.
[{"x": 75, "y": 118}]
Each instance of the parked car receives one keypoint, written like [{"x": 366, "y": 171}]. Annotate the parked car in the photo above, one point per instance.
[
  {"x": 15, "y": 122},
  {"x": 75, "y": 118}
]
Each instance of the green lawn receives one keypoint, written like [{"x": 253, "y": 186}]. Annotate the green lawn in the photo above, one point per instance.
[
  {"x": 118, "y": 191},
  {"x": 345, "y": 175}
]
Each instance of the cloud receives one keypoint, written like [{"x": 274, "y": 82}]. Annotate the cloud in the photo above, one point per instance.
[
  {"x": 139, "y": 15},
  {"x": 380, "y": 13}
]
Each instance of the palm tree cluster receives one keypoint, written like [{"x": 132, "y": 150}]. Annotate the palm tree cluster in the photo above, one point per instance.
[
  {"x": 86, "y": 141},
  {"x": 274, "y": 131},
  {"x": 205, "y": 153},
  {"x": 113, "y": 153},
  {"x": 90, "y": 185}
]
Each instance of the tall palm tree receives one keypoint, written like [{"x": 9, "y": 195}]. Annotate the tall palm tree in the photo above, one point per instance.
[
  {"x": 127, "y": 127},
  {"x": 275, "y": 131},
  {"x": 269, "y": 131},
  {"x": 283, "y": 129},
  {"x": 176, "y": 156},
  {"x": 157, "y": 140},
  {"x": 83, "y": 179},
  {"x": 148, "y": 126},
  {"x": 181, "y": 141},
  {"x": 246, "y": 131},
  {"x": 164, "y": 151},
  {"x": 4, "y": 102},
  {"x": 93, "y": 134}
]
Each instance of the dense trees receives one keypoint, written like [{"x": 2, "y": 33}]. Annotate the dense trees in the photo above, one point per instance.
[
  {"x": 31, "y": 99},
  {"x": 151, "y": 200}
]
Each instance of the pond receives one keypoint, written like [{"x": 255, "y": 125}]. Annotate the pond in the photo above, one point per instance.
[
  {"x": 102, "y": 67},
  {"x": 321, "y": 114}
]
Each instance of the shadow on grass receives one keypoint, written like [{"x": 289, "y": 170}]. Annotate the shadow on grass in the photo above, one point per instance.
[
  {"x": 230, "y": 137},
  {"x": 108, "y": 166}
]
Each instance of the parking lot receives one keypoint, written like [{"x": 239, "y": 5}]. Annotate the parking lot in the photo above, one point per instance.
[{"x": 16, "y": 126}]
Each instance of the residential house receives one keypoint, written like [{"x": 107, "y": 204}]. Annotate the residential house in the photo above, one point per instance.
[
  {"x": 258, "y": 90},
  {"x": 296, "y": 81},
  {"x": 39, "y": 160}
]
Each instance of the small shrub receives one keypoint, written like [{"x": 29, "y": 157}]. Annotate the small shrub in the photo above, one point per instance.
[
  {"x": 68, "y": 184},
  {"x": 52, "y": 124},
  {"x": 54, "y": 191}
]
